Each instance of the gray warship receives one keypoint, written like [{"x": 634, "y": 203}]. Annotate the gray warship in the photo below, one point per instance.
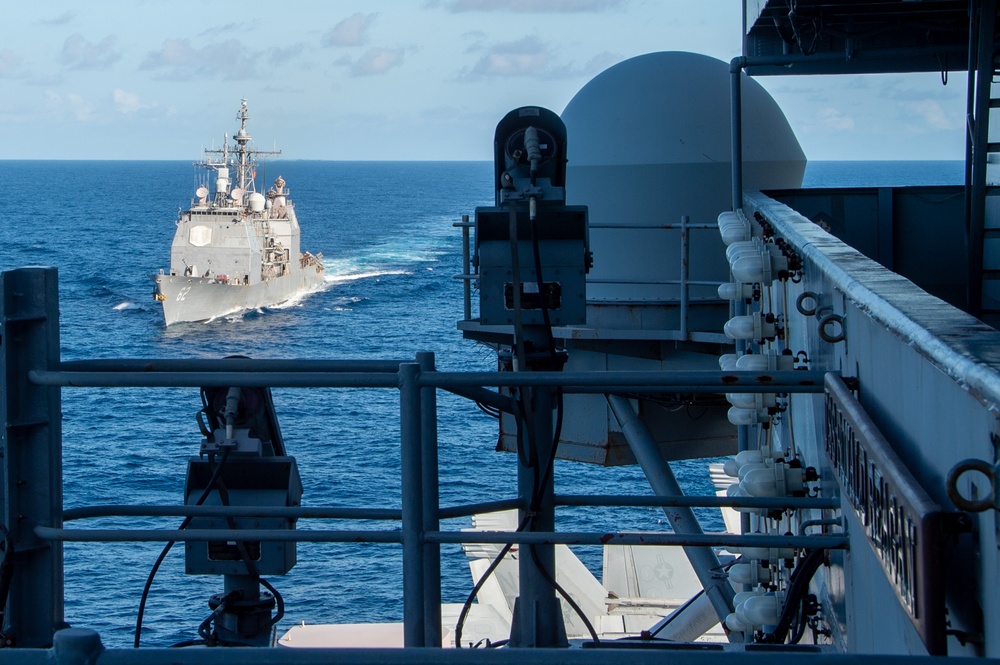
[{"x": 235, "y": 249}]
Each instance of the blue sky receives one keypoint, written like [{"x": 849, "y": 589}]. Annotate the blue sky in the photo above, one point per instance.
[{"x": 391, "y": 79}]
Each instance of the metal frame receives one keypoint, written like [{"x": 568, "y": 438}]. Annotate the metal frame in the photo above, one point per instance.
[
  {"x": 33, "y": 377},
  {"x": 685, "y": 227}
]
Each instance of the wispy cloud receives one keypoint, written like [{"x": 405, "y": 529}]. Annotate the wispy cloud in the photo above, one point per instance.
[
  {"x": 73, "y": 103},
  {"x": 531, "y": 57},
  {"x": 63, "y": 19},
  {"x": 10, "y": 64},
  {"x": 832, "y": 118},
  {"x": 529, "y": 6},
  {"x": 527, "y": 56},
  {"x": 279, "y": 56},
  {"x": 82, "y": 109},
  {"x": 178, "y": 60},
  {"x": 128, "y": 102},
  {"x": 932, "y": 115},
  {"x": 352, "y": 31},
  {"x": 374, "y": 61},
  {"x": 226, "y": 28},
  {"x": 79, "y": 53}
]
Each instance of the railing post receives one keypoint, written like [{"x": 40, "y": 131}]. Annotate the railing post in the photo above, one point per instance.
[
  {"x": 537, "y": 617},
  {"x": 31, "y": 453},
  {"x": 466, "y": 269},
  {"x": 412, "y": 503},
  {"x": 431, "y": 505},
  {"x": 736, "y": 106},
  {"x": 685, "y": 268}
]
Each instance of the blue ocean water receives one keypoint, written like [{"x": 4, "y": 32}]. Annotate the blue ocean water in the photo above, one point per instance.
[
  {"x": 391, "y": 253},
  {"x": 883, "y": 173}
]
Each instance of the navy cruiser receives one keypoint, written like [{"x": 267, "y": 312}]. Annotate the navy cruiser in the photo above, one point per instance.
[{"x": 235, "y": 249}]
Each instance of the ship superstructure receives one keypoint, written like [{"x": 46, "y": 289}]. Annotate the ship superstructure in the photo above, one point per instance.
[{"x": 235, "y": 249}]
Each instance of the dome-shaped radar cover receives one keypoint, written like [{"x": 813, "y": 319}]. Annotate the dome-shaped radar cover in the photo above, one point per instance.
[
  {"x": 649, "y": 141},
  {"x": 674, "y": 108}
]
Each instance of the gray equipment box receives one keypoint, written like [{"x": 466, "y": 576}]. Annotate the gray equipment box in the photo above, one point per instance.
[
  {"x": 258, "y": 482},
  {"x": 563, "y": 250}
]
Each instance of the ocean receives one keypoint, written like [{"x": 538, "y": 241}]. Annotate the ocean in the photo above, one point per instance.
[{"x": 391, "y": 254}]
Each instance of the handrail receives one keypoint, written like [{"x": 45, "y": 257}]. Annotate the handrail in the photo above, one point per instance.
[
  {"x": 41, "y": 374},
  {"x": 643, "y": 538},
  {"x": 785, "y": 381},
  {"x": 467, "y": 276},
  {"x": 418, "y": 532},
  {"x": 449, "y": 512}
]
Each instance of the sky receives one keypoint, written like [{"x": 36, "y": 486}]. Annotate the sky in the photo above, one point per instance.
[{"x": 392, "y": 79}]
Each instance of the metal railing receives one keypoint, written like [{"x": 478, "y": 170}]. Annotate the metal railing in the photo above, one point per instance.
[
  {"x": 683, "y": 281},
  {"x": 30, "y": 356}
]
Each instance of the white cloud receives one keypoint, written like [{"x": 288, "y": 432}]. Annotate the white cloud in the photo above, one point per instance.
[
  {"x": 525, "y": 57},
  {"x": 932, "y": 115},
  {"x": 179, "y": 60},
  {"x": 63, "y": 19},
  {"x": 831, "y": 118},
  {"x": 531, "y": 6},
  {"x": 602, "y": 61},
  {"x": 377, "y": 61},
  {"x": 531, "y": 57},
  {"x": 128, "y": 102},
  {"x": 81, "y": 108},
  {"x": 79, "y": 53},
  {"x": 352, "y": 31}
]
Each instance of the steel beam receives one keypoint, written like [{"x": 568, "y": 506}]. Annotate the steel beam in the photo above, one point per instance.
[
  {"x": 682, "y": 519},
  {"x": 431, "y": 505},
  {"x": 31, "y": 453},
  {"x": 413, "y": 516}
]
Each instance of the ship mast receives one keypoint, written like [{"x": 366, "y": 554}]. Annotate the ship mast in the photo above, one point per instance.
[
  {"x": 245, "y": 158},
  {"x": 246, "y": 155}
]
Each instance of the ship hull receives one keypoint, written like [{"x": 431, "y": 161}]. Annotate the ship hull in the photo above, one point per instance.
[{"x": 192, "y": 299}]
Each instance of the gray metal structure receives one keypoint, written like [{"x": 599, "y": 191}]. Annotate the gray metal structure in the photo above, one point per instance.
[{"x": 416, "y": 381}]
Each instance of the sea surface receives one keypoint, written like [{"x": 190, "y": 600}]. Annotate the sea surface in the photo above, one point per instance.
[{"x": 386, "y": 229}]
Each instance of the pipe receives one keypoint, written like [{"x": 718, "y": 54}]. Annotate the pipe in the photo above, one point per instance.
[
  {"x": 688, "y": 622},
  {"x": 736, "y": 119},
  {"x": 833, "y": 542},
  {"x": 431, "y": 505},
  {"x": 682, "y": 519}
]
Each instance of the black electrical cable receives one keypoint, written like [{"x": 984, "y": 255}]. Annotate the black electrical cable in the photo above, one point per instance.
[
  {"x": 488, "y": 410},
  {"x": 460, "y": 624},
  {"x": 800, "y": 624},
  {"x": 520, "y": 448},
  {"x": 166, "y": 549},
  {"x": 557, "y": 433},
  {"x": 248, "y": 562},
  {"x": 205, "y": 626},
  {"x": 529, "y": 460},
  {"x": 540, "y": 284},
  {"x": 279, "y": 601},
  {"x": 549, "y": 469},
  {"x": 562, "y": 592},
  {"x": 796, "y": 594}
]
